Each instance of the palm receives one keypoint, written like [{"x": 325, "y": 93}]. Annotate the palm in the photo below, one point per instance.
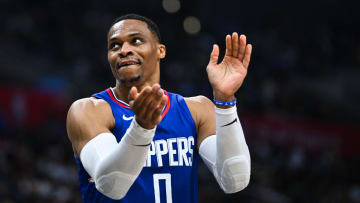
[{"x": 227, "y": 77}]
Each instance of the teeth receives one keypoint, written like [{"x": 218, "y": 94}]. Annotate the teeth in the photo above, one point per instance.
[{"x": 130, "y": 63}]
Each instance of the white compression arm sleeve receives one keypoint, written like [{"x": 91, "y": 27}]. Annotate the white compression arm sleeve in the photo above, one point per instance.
[
  {"x": 226, "y": 153},
  {"x": 115, "y": 166}
]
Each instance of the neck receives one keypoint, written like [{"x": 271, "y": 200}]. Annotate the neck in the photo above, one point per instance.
[{"x": 122, "y": 91}]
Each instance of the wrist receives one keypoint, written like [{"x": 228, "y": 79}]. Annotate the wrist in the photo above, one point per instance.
[
  {"x": 138, "y": 135},
  {"x": 223, "y": 97},
  {"x": 224, "y": 104},
  {"x": 143, "y": 125},
  {"x": 224, "y": 101}
]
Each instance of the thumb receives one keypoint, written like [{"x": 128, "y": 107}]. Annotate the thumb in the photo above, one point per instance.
[
  {"x": 214, "y": 56},
  {"x": 133, "y": 94}
]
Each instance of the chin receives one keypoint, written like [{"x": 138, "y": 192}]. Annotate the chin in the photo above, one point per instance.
[{"x": 131, "y": 81}]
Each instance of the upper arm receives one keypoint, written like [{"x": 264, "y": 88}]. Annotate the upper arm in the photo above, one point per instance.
[
  {"x": 203, "y": 112},
  {"x": 86, "y": 119}
]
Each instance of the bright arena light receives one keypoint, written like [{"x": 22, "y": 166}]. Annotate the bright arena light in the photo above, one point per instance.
[
  {"x": 192, "y": 25},
  {"x": 171, "y": 6}
]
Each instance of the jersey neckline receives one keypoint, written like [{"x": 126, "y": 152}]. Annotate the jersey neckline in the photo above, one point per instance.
[{"x": 123, "y": 104}]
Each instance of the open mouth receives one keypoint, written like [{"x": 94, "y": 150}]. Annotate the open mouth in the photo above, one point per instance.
[{"x": 128, "y": 63}]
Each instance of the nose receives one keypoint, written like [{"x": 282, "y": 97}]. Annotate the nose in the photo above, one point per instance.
[{"x": 126, "y": 50}]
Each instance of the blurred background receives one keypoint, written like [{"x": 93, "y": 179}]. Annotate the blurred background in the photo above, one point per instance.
[{"x": 299, "y": 104}]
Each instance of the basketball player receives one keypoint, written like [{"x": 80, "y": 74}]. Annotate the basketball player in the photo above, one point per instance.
[{"x": 136, "y": 142}]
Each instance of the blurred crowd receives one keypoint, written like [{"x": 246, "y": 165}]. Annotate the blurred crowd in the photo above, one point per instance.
[{"x": 298, "y": 105}]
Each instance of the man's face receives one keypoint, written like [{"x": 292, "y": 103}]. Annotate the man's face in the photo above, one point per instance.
[{"x": 134, "y": 53}]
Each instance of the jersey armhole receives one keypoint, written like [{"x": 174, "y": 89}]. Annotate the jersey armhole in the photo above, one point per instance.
[{"x": 188, "y": 115}]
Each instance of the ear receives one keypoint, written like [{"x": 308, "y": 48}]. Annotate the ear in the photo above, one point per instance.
[{"x": 161, "y": 51}]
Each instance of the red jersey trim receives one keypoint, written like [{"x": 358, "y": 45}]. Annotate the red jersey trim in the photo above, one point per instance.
[
  {"x": 115, "y": 100},
  {"x": 167, "y": 107}
]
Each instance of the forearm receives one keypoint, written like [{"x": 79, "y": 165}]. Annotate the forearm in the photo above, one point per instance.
[
  {"x": 115, "y": 166},
  {"x": 227, "y": 154},
  {"x": 233, "y": 158}
]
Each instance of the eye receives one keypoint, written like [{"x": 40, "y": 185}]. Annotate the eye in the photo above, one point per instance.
[
  {"x": 114, "y": 46},
  {"x": 137, "y": 41}
]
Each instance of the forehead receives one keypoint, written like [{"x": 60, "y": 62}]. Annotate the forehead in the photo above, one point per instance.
[{"x": 129, "y": 26}]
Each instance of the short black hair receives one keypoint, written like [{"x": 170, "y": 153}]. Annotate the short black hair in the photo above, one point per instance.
[{"x": 154, "y": 29}]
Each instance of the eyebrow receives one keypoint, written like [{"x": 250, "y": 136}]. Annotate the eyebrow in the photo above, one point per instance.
[{"x": 129, "y": 35}]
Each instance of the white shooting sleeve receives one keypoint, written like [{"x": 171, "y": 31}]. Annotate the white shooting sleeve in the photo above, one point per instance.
[
  {"x": 115, "y": 166},
  {"x": 226, "y": 154}
]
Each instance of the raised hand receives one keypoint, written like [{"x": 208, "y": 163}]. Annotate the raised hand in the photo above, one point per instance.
[
  {"x": 227, "y": 77},
  {"x": 147, "y": 105}
]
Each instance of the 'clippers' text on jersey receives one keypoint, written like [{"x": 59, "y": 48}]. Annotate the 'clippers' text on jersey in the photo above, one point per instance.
[{"x": 171, "y": 152}]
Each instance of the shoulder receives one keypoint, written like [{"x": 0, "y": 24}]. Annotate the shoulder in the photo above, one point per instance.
[
  {"x": 86, "y": 119},
  {"x": 200, "y": 107},
  {"x": 89, "y": 102},
  {"x": 89, "y": 107},
  {"x": 199, "y": 103}
]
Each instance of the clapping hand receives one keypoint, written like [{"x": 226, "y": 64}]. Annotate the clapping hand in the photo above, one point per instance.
[{"x": 227, "y": 77}]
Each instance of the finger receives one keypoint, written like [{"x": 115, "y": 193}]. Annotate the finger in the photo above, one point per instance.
[
  {"x": 156, "y": 93},
  {"x": 164, "y": 100},
  {"x": 154, "y": 105},
  {"x": 138, "y": 102},
  {"x": 235, "y": 44},
  {"x": 228, "y": 51},
  {"x": 157, "y": 113},
  {"x": 246, "y": 60},
  {"x": 242, "y": 47},
  {"x": 150, "y": 102},
  {"x": 146, "y": 105},
  {"x": 214, "y": 56},
  {"x": 132, "y": 93}
]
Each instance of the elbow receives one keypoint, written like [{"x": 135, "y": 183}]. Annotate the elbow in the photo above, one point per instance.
[
  {"x": 235, "y": 174},
  {"x": 114, "y": 185},
  {"x": 239, "y": 182}
]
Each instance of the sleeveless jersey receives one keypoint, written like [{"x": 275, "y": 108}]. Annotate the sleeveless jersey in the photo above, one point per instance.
[{"x": 170, "y": 172}]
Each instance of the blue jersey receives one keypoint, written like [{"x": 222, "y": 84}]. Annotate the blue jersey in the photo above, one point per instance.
[{"x": 170, "y": 172}]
